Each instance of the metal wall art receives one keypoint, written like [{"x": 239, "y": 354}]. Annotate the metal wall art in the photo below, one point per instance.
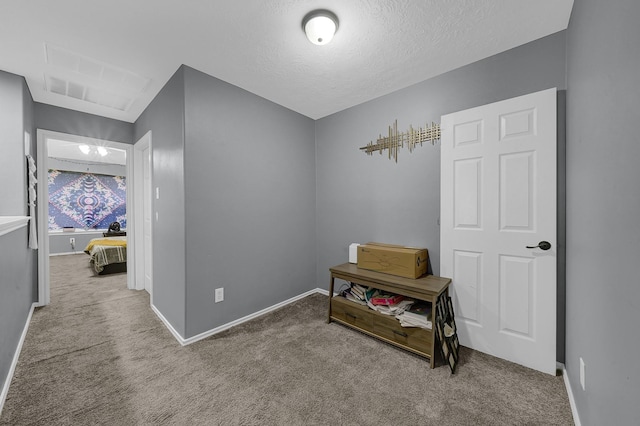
[{"x": 397, "y": 140}]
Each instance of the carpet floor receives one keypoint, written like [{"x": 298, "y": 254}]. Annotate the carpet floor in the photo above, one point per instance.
[{"x": 99, "y": 355}]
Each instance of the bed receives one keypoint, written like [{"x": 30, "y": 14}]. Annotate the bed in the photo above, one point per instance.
[{"x": 108, "y": 255}]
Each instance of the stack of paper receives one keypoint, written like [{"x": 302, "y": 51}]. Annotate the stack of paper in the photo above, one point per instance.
[
  {"x": 417, "y": 315},
  {"x": 395, "y": 309}
]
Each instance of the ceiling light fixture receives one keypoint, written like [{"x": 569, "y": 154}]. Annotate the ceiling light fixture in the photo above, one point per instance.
[
  {"x": 84, "y": 148},
  {"x": 102, "y": 151},
  {"x": 320, "y": 26}
]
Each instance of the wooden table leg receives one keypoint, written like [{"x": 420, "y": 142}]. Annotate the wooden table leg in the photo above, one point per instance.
[
  {"x": 330, "y": 296},
  {"x": 432, "y": 360}
]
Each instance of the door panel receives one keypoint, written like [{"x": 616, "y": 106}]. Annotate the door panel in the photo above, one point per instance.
[
  {"x": 468, "y": 273},
  {"x": 468, "y": 192},
  {"x": 516, "y": 287},
  {"x": 468, "y": 133},
  {"x": 516, "y": 191},
  {"x": 498, "y": 195}
]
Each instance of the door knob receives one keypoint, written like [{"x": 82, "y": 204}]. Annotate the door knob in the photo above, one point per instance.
[{"x": 542, "y": 245}]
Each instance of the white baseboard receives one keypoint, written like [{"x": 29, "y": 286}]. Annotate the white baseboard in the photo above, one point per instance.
[
  {"x": 572, "y": 401},
  {"x": 228, "y": 325},
  {"x": 322, "y": 291},
  {"x": 67, "y": 253},
  {"x": 16, "y": 355},
  {"x": 167, "y": 324}
]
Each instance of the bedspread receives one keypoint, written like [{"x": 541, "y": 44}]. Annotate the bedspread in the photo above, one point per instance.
[{"x": 106, "y": 251}]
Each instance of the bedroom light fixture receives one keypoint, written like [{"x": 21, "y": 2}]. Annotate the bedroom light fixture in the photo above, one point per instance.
[
  {"x": 320, "y": 26},
  {"x": 86, "y": 150}
]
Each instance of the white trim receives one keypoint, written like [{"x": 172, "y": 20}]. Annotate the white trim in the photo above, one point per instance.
[
  {"x": 42, "y": 206},
  {"x": 138, "y": 206},
  {"x": 16, "y": 355},
  {"x": 11, "y": 223},
  {"x": 167, "y": 324},
  {"x": 572, "y": 400},
  {"x": 323, "y": 291},
  {"x": 209, "y": 333},
  {"x": 67, "y": 253},
  {"x": 82, "y": 232},
  {"x": 131, "y": 225},
  {"x": 247, "y": 318}
]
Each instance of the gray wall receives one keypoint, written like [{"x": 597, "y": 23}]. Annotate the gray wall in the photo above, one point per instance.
[
  {"x": 250, "y": 202},
  {"x": 18, "y": 264},
  {"x": 64, "y": 120},
  {"x": 59, "y": 242},
  {"x": 362, "y": 198},
  {"x": 603, "y": 207},
  {"x": 165, "y": 118}
]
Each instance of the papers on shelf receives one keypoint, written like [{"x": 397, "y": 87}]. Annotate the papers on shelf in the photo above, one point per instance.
[
  {"x": 409, "y": 321},
  {"x": 409, "y": 312},
  {"x": 418, "y": 315},
  {"x": 396, "y": 309}
]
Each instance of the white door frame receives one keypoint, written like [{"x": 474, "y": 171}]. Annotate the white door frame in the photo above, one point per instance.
[
  {"x": 43, "y": 207},
  {"x": 138, "y": 203}
]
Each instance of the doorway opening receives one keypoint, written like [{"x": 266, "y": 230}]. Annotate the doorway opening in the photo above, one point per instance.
[{"x": 93, "y": 172}]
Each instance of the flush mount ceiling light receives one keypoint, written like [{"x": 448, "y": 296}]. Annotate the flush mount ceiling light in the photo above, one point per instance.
[
  {"x": 86, "y": 150},
  {"x": 320, "y": 26}
]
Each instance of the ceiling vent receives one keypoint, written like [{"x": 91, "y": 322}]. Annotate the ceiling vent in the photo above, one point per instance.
[
  {"x": 86, "y": 93},
  {"x": 89, "y": 80}
]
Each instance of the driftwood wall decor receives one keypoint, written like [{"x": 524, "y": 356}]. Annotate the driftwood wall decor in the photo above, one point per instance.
[{"x": 397, "y": 140}]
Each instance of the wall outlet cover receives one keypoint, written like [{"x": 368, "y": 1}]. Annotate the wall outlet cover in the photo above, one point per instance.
[{"x": 219, "y": 295}]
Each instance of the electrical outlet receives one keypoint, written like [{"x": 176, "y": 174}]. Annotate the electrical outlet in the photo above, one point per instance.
[
  {"x": 219, "y": 296},
  {"x": 582, "y": 373}
]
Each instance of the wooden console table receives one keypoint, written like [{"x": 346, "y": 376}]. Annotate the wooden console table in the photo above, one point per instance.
[{"x": 384, "y": 327}]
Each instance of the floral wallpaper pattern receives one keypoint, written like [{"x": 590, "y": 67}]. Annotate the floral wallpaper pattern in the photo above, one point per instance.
[{"x": 86, "y": 200}]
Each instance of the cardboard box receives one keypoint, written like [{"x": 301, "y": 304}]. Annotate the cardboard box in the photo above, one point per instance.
[{"x": 409, "y": 262}]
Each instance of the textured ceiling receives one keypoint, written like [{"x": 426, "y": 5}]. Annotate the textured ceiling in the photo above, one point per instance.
[{"x": 381, "y": 46}]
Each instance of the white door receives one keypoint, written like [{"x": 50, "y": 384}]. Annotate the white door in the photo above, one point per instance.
[
  {"x": 146, "y": 155},
  {"x": 498, "y": 199}
]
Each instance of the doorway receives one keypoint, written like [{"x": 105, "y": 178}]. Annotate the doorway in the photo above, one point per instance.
[{"x": 76, "y": 147}]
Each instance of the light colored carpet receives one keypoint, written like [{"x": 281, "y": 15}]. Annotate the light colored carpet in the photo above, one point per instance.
[{"x": 99, "y": 355}]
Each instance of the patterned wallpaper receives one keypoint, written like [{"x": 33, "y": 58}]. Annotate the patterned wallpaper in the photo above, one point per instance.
[{"x": 86, "y": 200}]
